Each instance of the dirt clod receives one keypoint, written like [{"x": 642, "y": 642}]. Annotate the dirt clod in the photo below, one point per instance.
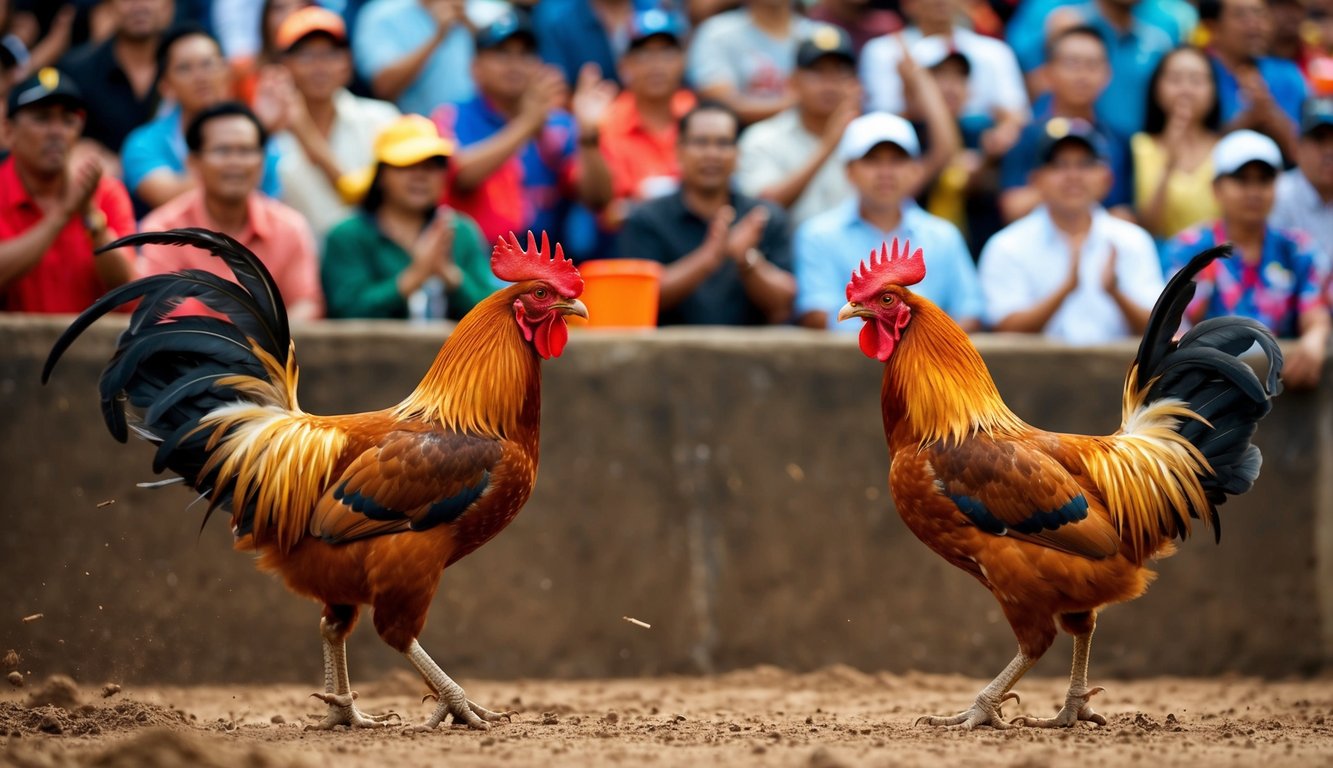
[
  {"x": 109, "y": 690},
  {"x": 10, "y": 661},
  {"x": 15, "y": 679},
  {"x": 57, "y": 690}
]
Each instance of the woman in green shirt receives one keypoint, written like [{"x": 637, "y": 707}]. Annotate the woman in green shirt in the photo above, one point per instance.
[{"x": 402, "y": 255}]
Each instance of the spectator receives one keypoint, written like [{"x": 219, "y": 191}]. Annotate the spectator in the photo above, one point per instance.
[
  {"x": 1276, "y": 277},
  {"x": 55, "y": 213},
  {"x": 522, "y": 157},
  {"x": 329, "y": 132},
  {"x": 1078, "y": 73},
  {"x": 572, "y": 33},
  {"x": 248, "y": 67},
  {"x": 1305, "y": 193},
  {"x": 1256, "y": 91},
  {"x": 1133, "y": 48},
  {"x": 995, "y": 87},
  {"x": 858, "y": 19},
  {"x": 742, "y": 58},
  {"x": 1173, "y": 167},
  {"x": 1034, "y": 21},
  {"x": 1069, "y": 270},
  {"x": 226, "y": 144},
  {"x": 879, "y": 153},
  {"x": 788, "y": 158},
  {"x": 1289, "y": 33},
  {"x": 402, "y": 254},
  {"x": 639, "y": 132},
  {"x": 415, "y": 53},
  {"x": 194, "y": 76},
  {"x": 119, "y": 76},
  {"x": 727, "y": 256}
]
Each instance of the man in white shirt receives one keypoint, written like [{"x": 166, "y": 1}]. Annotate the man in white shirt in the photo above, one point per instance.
[
  {"x": 788, "y": 158},
  {"x": 1305, "y": 193},
  {"x": 995, "y": 84},
  {"x": 328, "y": 131},
  {"x": 1069, "y": 270}
]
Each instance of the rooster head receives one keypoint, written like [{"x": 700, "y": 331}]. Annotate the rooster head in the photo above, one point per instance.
[
  {"x": 547, "y": 289},
  {"x": 877, "y": 293}
]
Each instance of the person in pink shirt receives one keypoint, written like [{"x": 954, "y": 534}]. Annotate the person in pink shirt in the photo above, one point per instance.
[{"x": 226, "y": 144}]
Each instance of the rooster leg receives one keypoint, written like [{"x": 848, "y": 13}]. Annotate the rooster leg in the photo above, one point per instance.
[
  {"x": 338, "y": 693},
  {"x": 453, "y": 701},
  {"x": 1076, "y": 706},
  {"x": 986, "y": 709}
]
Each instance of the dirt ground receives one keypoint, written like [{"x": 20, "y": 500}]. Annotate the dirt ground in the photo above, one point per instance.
[{"x": 764, "y": 716}]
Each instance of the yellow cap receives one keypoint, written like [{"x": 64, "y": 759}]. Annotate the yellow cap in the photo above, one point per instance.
[{"x": 406, "y": 141}]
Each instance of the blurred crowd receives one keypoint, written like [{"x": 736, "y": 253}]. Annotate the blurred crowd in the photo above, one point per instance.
[{"x": 1057, "y": 160}]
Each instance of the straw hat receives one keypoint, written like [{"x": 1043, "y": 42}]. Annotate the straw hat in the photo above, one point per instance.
[{"x": 406, "y": 141}]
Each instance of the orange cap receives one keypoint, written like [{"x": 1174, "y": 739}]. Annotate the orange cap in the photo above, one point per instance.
[{"x": 307, "y": 21}]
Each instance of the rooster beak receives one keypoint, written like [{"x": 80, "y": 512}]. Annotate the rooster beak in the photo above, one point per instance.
[
  {"x": 852, "y": 309},
  {"x": 574, "y": 307}
]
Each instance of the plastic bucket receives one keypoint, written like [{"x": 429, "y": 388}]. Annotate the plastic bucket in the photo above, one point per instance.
[{"x": 621, "y": 293}]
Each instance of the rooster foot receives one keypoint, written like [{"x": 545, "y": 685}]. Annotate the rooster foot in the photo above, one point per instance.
[
  {"x": 984, "y": 711},
  {"x": 1076, "y": 708},
  {"x": 464, "y": 712},
  {"x": 342, "y": 711}
]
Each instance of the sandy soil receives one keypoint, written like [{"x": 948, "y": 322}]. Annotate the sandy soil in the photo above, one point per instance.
[{"x": 764, "y": 716}]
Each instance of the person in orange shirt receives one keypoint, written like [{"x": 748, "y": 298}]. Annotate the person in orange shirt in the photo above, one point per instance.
[
  {"x": 226, "y": 154},
  {"x": 639, "y": 132}
]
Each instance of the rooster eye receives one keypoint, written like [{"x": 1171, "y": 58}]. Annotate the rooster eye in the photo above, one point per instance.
[
  {"x": 887, "y": 299},
  {"x": 540, "y": 293}
]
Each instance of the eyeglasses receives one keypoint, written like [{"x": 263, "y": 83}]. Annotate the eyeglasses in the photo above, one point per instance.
[
  {"x": 225, "y": 153},
  {"x": 200, "y": 67},
  {"x": 708, "y": 142}
]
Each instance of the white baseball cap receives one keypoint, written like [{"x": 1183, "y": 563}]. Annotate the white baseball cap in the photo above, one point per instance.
[
  {"x": 868, "y": 131},
  {"x": 1239, "y": 148}
]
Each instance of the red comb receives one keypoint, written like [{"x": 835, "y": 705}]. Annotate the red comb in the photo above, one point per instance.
[
  {"x": 902, "y": 267},
  {"x": 510, "y": 262}
]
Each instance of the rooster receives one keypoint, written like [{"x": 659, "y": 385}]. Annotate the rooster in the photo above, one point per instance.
[
  {"x": 362, "y": 509},
  {"x": 1058, "y": 526}
]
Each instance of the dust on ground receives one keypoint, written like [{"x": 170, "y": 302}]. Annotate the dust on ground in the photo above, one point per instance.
[{"x": 764, "y": 716}]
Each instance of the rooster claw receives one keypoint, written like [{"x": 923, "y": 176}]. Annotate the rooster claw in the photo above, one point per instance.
[
  {"x": 343, "y": 712},
  {"x": 983, "y": 712},
  {"x": 1076, "y": 709}
]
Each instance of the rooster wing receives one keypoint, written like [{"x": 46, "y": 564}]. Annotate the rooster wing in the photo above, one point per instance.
[
  {"x": 414, "y": 478},
  {"x": 1013, "y": 487}
]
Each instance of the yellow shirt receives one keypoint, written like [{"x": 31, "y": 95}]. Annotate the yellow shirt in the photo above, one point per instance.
[{"x": 1189, "y": 194}]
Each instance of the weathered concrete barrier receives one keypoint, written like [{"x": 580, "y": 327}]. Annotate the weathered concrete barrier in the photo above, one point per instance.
[{"x": 727, "y": 487}]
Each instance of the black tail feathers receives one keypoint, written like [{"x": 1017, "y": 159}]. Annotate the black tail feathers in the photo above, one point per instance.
[
  {"x": 168, "y": 367},
  {"x": 1202, "y": 369}
]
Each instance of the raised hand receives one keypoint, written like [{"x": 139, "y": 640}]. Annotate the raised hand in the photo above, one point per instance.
[
  {"x": 1110, "y": 280},
  {"x": 592, "y": 97},
  {"x": 276, "y": 99},
  {"x": 747, "y": 233},
  {"x": 80, "y": 182},
  {"x": 546, "y": 92}
]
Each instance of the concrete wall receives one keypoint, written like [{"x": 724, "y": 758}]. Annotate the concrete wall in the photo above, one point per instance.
[{"x": 728, "y": 488}]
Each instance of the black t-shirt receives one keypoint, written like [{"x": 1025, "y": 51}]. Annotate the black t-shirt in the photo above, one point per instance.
[
  {"x": 664, "y": 230},
  {"x": 113, "y": 109}
]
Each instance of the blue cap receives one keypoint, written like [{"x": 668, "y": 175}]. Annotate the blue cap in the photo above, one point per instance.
[
  {"x": 1318, "y": 111},
  {"x": 507, "y": 26},
  {"x": 1059, "y": 130},
  {"x": 654, "y": 22}
]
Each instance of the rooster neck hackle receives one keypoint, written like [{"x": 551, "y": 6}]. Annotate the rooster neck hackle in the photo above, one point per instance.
[
  {"x": 485, "y": 379},
  {"x": 936, "y": 385}
]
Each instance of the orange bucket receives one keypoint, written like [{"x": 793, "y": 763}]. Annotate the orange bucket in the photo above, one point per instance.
[{"x": 621, "y": 293}]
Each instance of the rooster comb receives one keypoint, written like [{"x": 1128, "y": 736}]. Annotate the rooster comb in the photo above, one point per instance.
[
  {"x": 511, "y": 262},
  {"x": 901, "y": 266}
]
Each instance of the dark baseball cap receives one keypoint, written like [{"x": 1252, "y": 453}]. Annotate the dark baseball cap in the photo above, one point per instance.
[
  {"x": 654, "y": 22},
  {"x": 507, "y": 26},
  {"x": 47, "y": 85},
  {"x": 1060, "y": 130},
  {"x": 1317, "y": 112},
  {"x": 825, "y": 40}
]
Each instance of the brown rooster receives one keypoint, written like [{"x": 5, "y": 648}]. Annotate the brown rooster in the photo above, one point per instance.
[
  {"x": 363, "y": 509},
  {"x": 1057, "y": 526}
]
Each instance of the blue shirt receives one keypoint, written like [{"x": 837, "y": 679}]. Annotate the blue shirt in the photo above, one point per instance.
[
  {"x": 1022, "y": 158},
  {"x": 1287, "y": 280},
  {"x": 570, "y": 35},
  {"x": 1285, "y": 83},
  {"x": 388, "y": 30},
  {"x": 830, "y": 246},
  {"x": 1133, "y": 57},
  {"x": 160, "y": 144}
]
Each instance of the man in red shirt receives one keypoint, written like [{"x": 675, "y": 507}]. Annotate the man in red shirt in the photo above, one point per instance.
[
  {"x": 53, "y": 212},
  {"x": 639, "y": 130}
]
